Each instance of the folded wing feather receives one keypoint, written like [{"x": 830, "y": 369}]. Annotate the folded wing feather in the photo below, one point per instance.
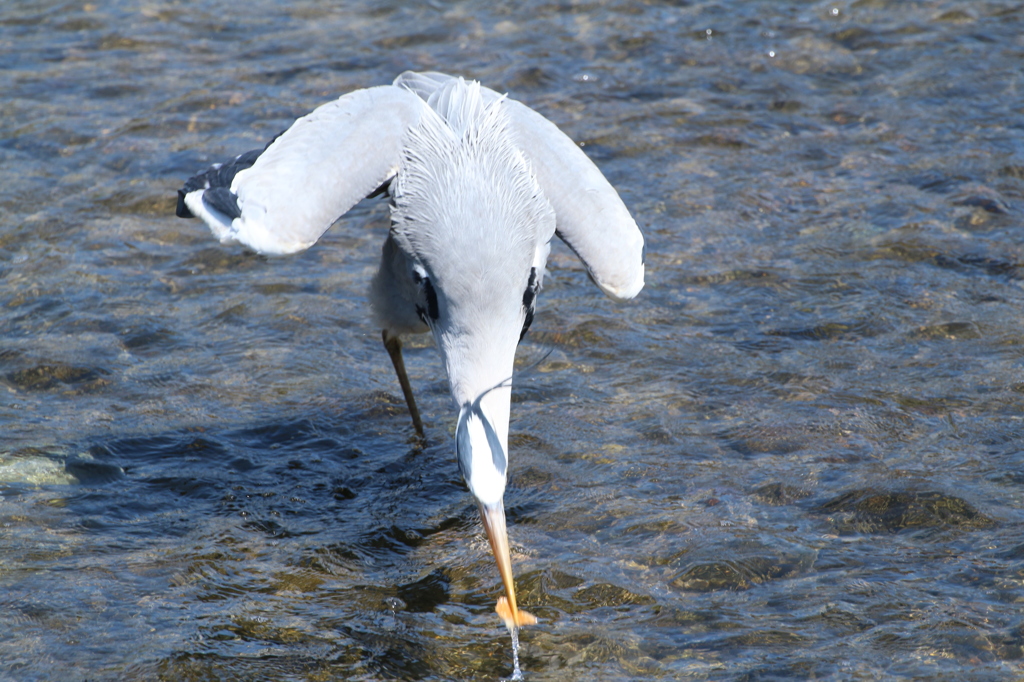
[
  {"x": 311, "y": 174},
  {"x": 283, "y": 199},
  {"x": 589, "y": 214}
]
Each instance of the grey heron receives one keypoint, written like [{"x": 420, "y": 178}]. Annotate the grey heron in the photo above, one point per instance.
[{"x": 479, "y": 184}]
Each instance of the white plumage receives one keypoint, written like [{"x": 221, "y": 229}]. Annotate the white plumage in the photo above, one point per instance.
[{"x": 479, "y": 185}]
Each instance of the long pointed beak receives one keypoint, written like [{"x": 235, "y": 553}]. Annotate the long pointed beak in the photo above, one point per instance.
[{"x": 494, "y": 523}]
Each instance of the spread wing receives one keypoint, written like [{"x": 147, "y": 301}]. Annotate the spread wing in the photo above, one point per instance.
[
  {"x": 589, "y": 214},
  {"x": 282, "y": 199}
]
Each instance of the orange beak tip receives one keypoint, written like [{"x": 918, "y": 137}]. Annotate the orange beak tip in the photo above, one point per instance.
[{"x": 513, "y": 619}]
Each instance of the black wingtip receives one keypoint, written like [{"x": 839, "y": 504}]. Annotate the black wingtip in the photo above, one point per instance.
[
  {"x": 182, "y": 210},
  {"x": 223, "y": 200}
]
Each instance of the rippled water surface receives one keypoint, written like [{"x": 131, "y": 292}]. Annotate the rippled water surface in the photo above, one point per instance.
[{"x": 798, "y": 454}]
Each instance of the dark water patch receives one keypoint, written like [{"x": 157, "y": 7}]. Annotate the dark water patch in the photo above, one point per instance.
[
  {"x": 131, "y": 203},
  {"x": 392, "y": 540},
  {"x": 763, "y": 344},
  {"x": 995, "y": 267},
  {"x": 205, "y": 667},
  {"x": 1008, "y": 478},
  {"x": 776, "y": 494},
  {"x": 426, "y": 594},
  {"x": 386, "y": 653},
  {"x": 397, "y": 540},
  {"x": 523, "y": 508},
  {"x": 759, "y": 276},
  {"x": 301, "y": 435},
  {"x": 276, "y": 77},
  {"x": 937, "y": 181},
  {"x": 144, "y": 451},
  {"x": 416, "y": 39},
  {"x": 214, "y": 261},
  {"x": 149, "y": 338},
  {"x": 531, "y": 77},
  {"x": 332, "y": 560},
  {"x": 284, "y": 288},
  {"x": 930, "y": 405},
  {"x": 915, "y": 250},
  {"x": 868, "y": 511},
  {"x": 239, "y": 475},
  {"x": 838, "y": 619},
  {"x": 760, "y": 439},
  {"x": 589, "y": 334},
  {"x": 90, "y": 472},
  {"x": 829, "y": 331},
  {"x": 986, "y": 203}
]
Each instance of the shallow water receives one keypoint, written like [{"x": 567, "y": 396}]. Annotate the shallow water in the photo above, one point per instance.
[{"x": 796, "y": 455}]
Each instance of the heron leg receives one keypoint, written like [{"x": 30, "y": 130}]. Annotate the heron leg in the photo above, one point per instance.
[{"x": 394, "y": 347}]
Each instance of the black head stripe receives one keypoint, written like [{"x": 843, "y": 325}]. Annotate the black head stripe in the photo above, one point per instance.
[
  {"x": 531, "y": 289},
  {"x": 527, "y": 321},
  {"x": 428, "y": 290},
  {"x": 529, "y": 298},
  {"x": 463, "y": 448}
]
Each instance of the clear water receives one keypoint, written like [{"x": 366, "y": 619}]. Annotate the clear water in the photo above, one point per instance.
[{"x": 797, "y": 455}]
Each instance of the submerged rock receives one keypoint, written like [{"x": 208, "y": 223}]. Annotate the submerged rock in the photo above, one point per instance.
[
  {"x": 745, "y": 566},
  {"x": 44, "y": 377},
  {"x": 606, "y": 594},
  {"x": 869, "y": 511},
  {"x": 34, "y": 470}
]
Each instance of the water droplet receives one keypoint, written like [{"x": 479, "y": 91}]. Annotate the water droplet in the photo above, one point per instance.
[
  {"x": 771, "y": 53},
  {"x": 835, "y": 11}
]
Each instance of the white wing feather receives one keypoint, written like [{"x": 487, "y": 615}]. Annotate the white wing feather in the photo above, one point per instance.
[
  {"x": 589, "y": 214},
  {"x": 316, "y": 171}
]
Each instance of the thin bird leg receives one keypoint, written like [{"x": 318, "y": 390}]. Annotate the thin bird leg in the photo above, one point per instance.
[{"x": 394, "y": 347}]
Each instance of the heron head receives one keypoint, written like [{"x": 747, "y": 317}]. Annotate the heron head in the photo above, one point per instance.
[
  {"x": 475, "y": 226},
  {"x": 477, "y": 320}
]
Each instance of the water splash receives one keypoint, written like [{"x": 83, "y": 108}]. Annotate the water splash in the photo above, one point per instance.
[{"x": 517, "y": 672}]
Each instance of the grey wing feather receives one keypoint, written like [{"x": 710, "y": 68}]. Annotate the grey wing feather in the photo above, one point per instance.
[
  {"x": 311, "y": 174},
  {"x": 589, "y": 214}
]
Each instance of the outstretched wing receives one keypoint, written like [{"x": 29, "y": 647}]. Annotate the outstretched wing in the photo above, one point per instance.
[
  {"x": 281, "y": 200},
  {"x": 589, "y": 214}
]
